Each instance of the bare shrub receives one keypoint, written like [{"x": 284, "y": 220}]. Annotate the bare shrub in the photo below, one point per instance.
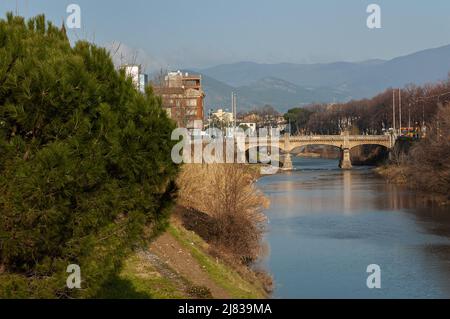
[
  {"x": 429, "y": 167},
  {"x": 399, "y": 157},
  {"x": 227, "y": 194},
  {"x": 266, "y": 280}
]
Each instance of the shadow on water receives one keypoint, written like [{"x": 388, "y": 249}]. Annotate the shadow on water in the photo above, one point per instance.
[{"x": 327, "y": 225}]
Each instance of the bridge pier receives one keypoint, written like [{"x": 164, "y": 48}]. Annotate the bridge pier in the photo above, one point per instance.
[
  {"x": 287, "y": 163},
  {"x": 346, "y": 162}
]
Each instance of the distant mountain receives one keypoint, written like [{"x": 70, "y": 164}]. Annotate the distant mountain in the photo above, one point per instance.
[
  {"x": 283, "y": 94},
  {"x": 285, "y": 85},
  {"x": 218, "y": 94},
  {"x": 277, "y": 92}
]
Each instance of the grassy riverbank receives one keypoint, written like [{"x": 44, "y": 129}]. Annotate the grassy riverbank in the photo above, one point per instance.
[
  {"x": 401, "y": 175},
  {"x": 179, "y": 265},
  {"x": 211, "y": 244},
  {"x": 393, "y": 174},
  {"x": 424, "y": 165}
]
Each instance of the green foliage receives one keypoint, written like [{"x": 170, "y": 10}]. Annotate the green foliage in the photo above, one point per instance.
[
  {"x": 85, "y": 167},
  {"x": 299, "y": 118}
]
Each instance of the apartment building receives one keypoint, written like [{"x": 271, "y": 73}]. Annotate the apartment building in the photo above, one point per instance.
[{"x": 183, "y": 97}]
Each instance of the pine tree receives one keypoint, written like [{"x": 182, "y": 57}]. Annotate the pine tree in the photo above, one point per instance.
[{"x": 85, "y": 167}]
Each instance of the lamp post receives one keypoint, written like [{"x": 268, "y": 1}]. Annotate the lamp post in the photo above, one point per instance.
[
  {"x": 409, "y": 116},
  {"x": 400, "y": 109},
  {"x": 393, "y": 111}
]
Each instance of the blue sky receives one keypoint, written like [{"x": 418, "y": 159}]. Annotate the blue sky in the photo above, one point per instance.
[{"x": 200, "y": 33}]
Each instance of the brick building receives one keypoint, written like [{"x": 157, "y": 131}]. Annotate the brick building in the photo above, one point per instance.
[{"x": 182, "y": 97}]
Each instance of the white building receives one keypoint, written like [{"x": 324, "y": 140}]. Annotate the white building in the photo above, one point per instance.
[
  {"x": 224, "y": 117},
  {"x": 139, "y": 79}
]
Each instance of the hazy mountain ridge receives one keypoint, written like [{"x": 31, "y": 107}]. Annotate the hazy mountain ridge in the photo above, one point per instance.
[
  {"x": 286, "y": 84},
  {"x": 270, "y": 90}
]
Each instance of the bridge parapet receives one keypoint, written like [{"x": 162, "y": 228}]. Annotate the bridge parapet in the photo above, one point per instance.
[
  {"x": 308, "y": 138},
  {"x": 339, "y": 137},
  {"x": 288, "y": 143},
  {"x": 370, "y": 137}
]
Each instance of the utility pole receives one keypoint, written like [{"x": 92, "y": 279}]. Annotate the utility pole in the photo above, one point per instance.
[
  {"x": 393, "y": 110},
  {"x": 232, "y": 111},
  {"x": 409, "y": 116},
  {"x": 423, "y": 115},
  {"x": 400, "y": 109},
  {"x": 235, "y": 112}
]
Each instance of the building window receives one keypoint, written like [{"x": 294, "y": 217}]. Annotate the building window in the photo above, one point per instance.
[
  {"x": 191, "y": 102},
  {"x": 191, "y": 112}
]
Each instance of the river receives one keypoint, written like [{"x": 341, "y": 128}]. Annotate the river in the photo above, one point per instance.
[{"x": 327, "y": 225}]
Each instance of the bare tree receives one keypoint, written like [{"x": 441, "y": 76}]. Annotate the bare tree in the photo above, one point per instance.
[
  {"x": 430, "y": 165},
  {"x": 227, "y": 194},
  {"x": 159, "y": 79}
]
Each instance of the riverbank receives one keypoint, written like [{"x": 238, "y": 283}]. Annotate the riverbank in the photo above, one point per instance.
[
  {"x": 179, "y": 265},
  {"x": 211, "y": 244},
  {"x": 393, "y": 174},
  {"x": 423, "y": 165},
  {"x": 400, "y": 175}
]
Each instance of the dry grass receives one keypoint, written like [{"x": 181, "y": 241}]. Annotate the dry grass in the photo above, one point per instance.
[
  {"x": 226, "y": 193},
  {"x": 429, "y": 165}
]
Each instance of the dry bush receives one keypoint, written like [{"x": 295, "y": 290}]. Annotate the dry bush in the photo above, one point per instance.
[
  {"x": 399, "y": 157},
  {"x": 429, "y": 167},
  {"x": 228, "y": 195}
]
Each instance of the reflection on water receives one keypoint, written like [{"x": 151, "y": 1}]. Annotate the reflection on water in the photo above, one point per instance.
[{"x": 327, "y": 225}]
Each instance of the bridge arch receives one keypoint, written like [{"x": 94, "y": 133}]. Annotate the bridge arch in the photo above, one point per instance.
[
  {"x": 369, "y": 154},
  {"x": 384, "y": 145},
  {"x": 280, "y": 146},
  {"x": 265, "y": 150},
  {"x": 300, "y": 147}
]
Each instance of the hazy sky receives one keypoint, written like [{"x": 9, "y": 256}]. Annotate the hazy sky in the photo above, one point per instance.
[{"x": 201, "y": 33}]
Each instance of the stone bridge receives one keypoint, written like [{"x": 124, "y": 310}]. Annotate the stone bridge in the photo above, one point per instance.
[{"x": 345, "y": 142}]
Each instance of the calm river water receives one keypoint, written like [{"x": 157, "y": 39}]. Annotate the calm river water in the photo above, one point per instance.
[{"x": 326, "y": 226}]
